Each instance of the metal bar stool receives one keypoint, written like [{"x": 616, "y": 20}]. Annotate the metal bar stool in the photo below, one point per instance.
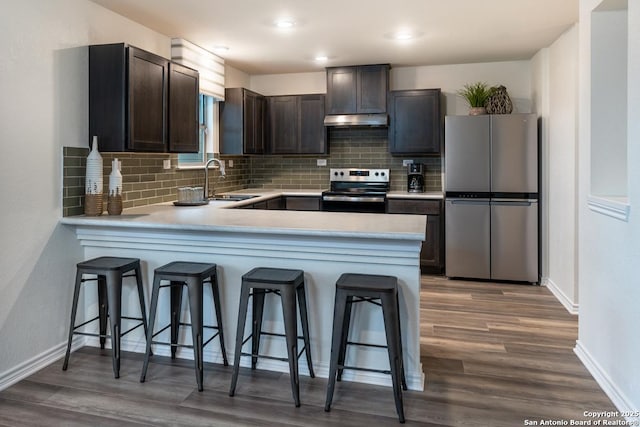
[
  {"x": 109, "y": 273},
  {"x": 355, "y": 288},
  {"x": 285, "y": 283},
  {"x": 193, "y": 275}
]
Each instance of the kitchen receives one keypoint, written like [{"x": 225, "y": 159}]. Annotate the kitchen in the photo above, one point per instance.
[{"x": 36, "y": 248}]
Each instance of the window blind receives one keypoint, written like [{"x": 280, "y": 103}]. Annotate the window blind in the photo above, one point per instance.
[{"x": 209, "y": 65}]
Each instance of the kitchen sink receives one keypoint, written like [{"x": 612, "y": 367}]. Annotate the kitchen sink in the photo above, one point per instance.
[{"x": 232, "y": 197}]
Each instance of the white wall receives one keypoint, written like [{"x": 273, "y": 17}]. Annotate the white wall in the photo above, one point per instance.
[
  {"x": 555, "y": 91},
  {"x": 609, "y": 248},
  {"x": 514, "y": 75},
  {"x": 44, "y": 84}
]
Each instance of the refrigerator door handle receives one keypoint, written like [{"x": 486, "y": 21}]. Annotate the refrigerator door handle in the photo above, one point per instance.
[
  {"x": 469, "y": 201},
  {"x": 513, "y": 202}
]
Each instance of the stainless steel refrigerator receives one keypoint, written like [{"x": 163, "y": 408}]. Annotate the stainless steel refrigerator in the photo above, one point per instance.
[{"x": 491, "y": 197}]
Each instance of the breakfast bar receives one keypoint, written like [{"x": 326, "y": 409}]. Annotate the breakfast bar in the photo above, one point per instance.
[{"x": 322, "y": 244}]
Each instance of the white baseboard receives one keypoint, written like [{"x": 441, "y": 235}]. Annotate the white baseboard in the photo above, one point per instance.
[
  {"x": 321, "y": 370},
  {"x": 568, "y": 304},
  {"x": 33, "y": 365},
  {"x": 608, "y": 386}
]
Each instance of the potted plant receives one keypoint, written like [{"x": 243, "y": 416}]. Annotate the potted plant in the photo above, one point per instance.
[{"x": 476, "y": 95}]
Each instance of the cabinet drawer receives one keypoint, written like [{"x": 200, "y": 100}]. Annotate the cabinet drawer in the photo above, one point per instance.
[
  {"x": 412, "y": 206},
  {"x": 302, "y": 203}
]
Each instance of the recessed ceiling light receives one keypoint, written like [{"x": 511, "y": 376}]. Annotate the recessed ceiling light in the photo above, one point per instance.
[
  {"x": 285, "y": 23},
  {"x": 403, "y": 35},
  {"x": 321, "y": 58},
  {"x": 220, "y": 49}
]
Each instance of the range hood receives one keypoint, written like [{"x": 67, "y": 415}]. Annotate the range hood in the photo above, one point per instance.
[{"x": 335, "y": 120}]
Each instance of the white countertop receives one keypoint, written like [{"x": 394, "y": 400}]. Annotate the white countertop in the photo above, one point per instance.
[{"x": 210, "y": 217}]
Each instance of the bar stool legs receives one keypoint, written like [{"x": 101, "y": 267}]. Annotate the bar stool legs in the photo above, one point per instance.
[
  {"x": 109, "y": 272},
  {"x": 354, "y": 288},
  {"x": 191, "y": 275},
  {"x": 289, "y": 284}
]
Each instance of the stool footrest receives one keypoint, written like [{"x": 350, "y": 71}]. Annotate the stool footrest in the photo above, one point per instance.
[
  {"x": 264, "y": 356},
  {"x": 140, "y": 319},
  {"x": 185, "y": 345},
  {"x": 356, "y": 368},
  {"x": 372, "y": 300},
  {"x": 284, "y": 359},
  {"x": 273, "y": 334},
  {"x": 85, "y": 323},
  {"x": 365, "y": 344},
  {"x": 133, "y": 328}
]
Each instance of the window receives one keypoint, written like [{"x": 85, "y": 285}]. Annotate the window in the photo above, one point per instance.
[{"x": 208, "y": 119}]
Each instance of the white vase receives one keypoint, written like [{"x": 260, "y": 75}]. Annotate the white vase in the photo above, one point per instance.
[
  {"x": 115, "y": 179},
  {"x": 94, "y": 179}
]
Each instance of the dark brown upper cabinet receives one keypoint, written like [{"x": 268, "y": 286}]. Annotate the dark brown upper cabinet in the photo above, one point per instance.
[
  {"x": 184, "y": 126},
  {"x": 129, "y": 101},
  {"x": 357, "y": 89},
  {"x": 295, "y": 124},
  {"x": 416, "y": 122},
  {"x": 242, "y": 122}
]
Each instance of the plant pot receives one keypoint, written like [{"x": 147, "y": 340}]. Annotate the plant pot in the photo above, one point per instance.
[{"x": 477, "y": 111}]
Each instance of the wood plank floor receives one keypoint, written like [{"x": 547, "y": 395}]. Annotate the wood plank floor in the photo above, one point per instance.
[{"x": 493, "y": 354}]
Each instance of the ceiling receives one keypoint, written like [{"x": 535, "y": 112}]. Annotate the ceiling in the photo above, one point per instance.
[{"x": 353, "y": 32}]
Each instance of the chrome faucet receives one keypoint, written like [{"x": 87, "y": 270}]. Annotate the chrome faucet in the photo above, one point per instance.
[{"x": 206, "y": 175}]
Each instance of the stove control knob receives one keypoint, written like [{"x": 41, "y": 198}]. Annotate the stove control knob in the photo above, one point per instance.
[
  {"x": 382, "y": 173},
  {"x": 377, "y": 173},
  {"x": 341, "y": 173},
  {"x": 335, "y": 173}
]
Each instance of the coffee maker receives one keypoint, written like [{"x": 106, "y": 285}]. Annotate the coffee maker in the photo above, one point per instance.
[{"x": 415, "y": 178}]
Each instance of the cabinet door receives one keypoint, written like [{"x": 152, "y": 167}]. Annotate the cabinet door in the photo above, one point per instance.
[
  {"x": 148, "y": 79},
  {"x": 183, "y": 109},
  {"x": 416, "y": 122},
  {"x": 430, "y": 255},
  {"x": 283, "y": 124},
  {"x": 313, "y": 133},
  {"x": 107, "y": 93},
  {"x": 372, "y": 88},
  {"x": 302, "y": 203},
  {"x": 341, "y": 90},
  {"x": 232, "y": 122},
  {"x": 253, "y": 124}
]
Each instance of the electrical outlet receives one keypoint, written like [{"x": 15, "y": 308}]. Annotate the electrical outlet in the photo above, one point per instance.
[
  {"x": 230, "y": 163},
  {"x": 407, "y": 162},
  {"x": 166, "y": 164},
  {"x": 321, "y": 162}
]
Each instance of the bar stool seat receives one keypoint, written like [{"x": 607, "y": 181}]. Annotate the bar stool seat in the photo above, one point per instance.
[
  {"x": 285, "y": 283},
  {"x": 109, "y": 272},
  {"x": 354, "y": 288},
  {"x": 193, "y": 276}
]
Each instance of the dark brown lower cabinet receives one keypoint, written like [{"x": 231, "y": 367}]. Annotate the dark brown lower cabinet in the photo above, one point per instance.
[
  {"x": 302, "y": 203},
  {"x": 432, "y": 253},
  {"x": 290, "y": 203}
]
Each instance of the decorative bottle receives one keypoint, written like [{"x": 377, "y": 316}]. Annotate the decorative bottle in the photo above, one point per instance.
[
  {"x": 93, "y": 181},
  {"x": 114, "y": 201}
]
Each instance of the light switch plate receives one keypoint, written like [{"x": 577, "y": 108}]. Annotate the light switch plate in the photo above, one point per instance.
[
  {"x": 166, "y": 164},
  {"x": 321, "y": 162},
  {"x": 230, "y": 163}
]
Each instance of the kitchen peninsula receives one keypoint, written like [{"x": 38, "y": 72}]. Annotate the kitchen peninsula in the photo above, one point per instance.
[{"x": 323, "y": 244}]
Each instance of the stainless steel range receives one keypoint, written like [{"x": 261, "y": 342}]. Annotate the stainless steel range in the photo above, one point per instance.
[{"x": 356, "y": 190}]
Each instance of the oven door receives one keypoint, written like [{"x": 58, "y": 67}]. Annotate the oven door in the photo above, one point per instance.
[{"x": 345, "y": 202}]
